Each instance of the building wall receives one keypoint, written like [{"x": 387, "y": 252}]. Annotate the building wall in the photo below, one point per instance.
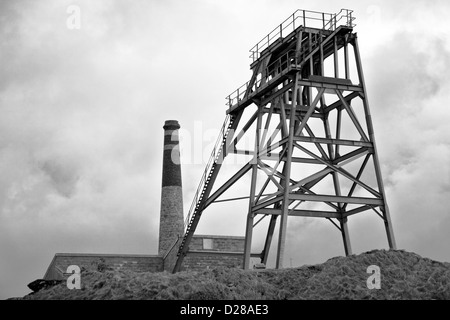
[
  {"x": 135, "y": 263},
  {"x": 217, "y": 243},
  {"x": 201, "y": 260},
  {"x": 206, "y": 251}
]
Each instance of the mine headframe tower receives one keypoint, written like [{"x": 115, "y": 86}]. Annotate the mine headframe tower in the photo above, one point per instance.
[{"x": 314, "y": 153}]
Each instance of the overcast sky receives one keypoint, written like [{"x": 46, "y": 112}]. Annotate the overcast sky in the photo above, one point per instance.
[{"x": 82, "y": 112}]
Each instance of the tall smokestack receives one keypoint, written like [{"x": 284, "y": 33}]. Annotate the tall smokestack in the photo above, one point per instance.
[{"x": 171, "y": 218}]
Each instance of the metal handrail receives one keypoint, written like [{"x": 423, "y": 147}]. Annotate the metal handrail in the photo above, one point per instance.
[
  {"x": 314, "y": 19},
  {"x": 345, "y": 14},
  {"x": 281, "y": 64},
  {"x": 215, "y": 154},
  {"x": 285, "y": 61},
  {"x": 328, "y": 22},
  {"x": 237, "y": 95}
]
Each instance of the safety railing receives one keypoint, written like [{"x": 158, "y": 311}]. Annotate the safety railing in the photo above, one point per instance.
[
  {"x": 305, "y": 18},
  {"x": 237, "y": 95},
  {"x": 282, "y": 64},
  {"x": 342, "y": 18},
  {"x": 204, "y": 181}
]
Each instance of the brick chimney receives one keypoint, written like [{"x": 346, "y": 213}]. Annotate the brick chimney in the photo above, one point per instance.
[{"x": 171, "y": 224}]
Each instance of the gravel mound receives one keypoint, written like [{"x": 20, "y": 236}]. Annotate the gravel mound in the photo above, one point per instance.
[{"x": 403, "y": 275}]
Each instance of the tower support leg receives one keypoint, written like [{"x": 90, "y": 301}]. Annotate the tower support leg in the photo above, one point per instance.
[
  {"x": 248, "y": 240},
  {"x": 270, "y": 231},
  {"x": 389, "y": 229},
  {"x": 249, "y": 226},
  {"x": 376, "y": 163},
  {"x": 285, "y": 205},
  {"x": 346, "y": 237},
  {"x": 250, "y": 214}
]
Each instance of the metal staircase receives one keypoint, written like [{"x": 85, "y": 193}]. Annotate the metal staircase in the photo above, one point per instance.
[{"x": 203, "y": 190}]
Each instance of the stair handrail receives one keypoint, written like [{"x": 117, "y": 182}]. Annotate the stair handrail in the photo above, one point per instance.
[{"x": 203, "y": 181}]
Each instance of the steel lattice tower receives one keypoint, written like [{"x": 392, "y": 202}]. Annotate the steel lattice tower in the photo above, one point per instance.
[{"x": 314, "y": 152}]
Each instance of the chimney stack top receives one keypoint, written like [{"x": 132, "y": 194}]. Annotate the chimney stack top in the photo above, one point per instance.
[{"x": 171, "y": 125}]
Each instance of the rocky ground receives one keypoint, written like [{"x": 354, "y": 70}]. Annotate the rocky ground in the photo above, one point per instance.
[{"x": 404, "y": 275}]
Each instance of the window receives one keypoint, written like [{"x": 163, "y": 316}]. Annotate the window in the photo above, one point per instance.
[{"x": 207, "y": 244}]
